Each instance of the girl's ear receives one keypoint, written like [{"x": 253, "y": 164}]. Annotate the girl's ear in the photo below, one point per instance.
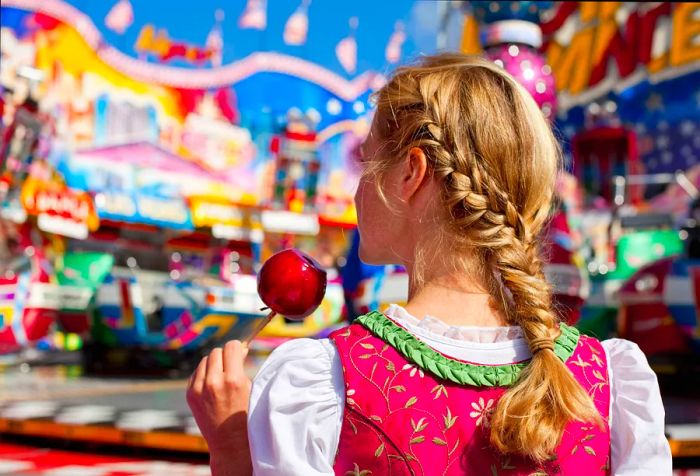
[{"x": 414, "y": 173}]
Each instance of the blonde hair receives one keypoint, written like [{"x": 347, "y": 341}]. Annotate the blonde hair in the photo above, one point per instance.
[{"x": 497, "y": 159}]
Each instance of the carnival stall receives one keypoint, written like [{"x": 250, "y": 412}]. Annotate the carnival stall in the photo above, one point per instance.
[{"x": 157, "y": 179}]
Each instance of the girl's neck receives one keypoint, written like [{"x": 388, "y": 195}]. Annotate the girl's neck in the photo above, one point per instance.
[{"x": 455, "y": 302}]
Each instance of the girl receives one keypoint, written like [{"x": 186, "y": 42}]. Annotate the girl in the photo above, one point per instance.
[{"x": 475, "y": 375}]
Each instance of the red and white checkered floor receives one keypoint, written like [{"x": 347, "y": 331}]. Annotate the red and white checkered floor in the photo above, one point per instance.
[{"x": 24, "y": 460}]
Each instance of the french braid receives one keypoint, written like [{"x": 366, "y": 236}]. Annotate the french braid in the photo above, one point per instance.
[{"x": 497, "y": 159}]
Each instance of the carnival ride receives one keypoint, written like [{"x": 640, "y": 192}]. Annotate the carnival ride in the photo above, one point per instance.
[
  {"x": 623, "y": 231},
  {"x": 658, "y": 303},
  {"x": 197, "y": 291},
  {"x": 140, "y": 190}
]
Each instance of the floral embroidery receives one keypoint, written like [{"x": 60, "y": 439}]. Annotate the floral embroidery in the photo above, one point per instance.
[
  {"x": 420, "y": 426},
  {"x": 596, "y": 359},
  {"x": 403, "y": 417},
  {"x": 439, "y": 390},
  {"x": 357, "y": 471},
  {"x": 600, "y": 384},
  {"x": 579, "y": 361},
  {"x": 348, "y": 396},
  {"x": 378, "y": 452},
  {"x": 482, "y": 412},
  {"x": 449, "y": 419},
  {"x": 582, "y": 442},
  {"x": 413, "y": 371}
]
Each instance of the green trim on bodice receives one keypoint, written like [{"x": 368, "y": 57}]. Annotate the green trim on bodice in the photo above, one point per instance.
[{"x": 456, "y": 371}]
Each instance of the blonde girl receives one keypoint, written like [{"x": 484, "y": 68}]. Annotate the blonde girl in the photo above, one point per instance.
[{"x": 474, "y": 375}]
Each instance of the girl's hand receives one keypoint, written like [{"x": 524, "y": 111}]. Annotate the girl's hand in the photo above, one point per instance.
[{"x": 218, "y": 393}]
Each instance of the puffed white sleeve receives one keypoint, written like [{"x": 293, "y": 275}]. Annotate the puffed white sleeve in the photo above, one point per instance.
[
  {"x": 639, "y": 446},
  {"x": 296, "y": 410}
]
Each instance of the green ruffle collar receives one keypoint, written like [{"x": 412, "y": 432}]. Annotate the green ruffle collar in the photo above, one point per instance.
[{"x": 456, "y": 371}]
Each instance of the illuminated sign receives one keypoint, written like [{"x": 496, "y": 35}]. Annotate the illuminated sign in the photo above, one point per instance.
[
  {"x": 227, "y": 221},
  {"x": 64, "y": 203},
  {"x": 596, "y": 47},
  {"x": 161, "y": 211},
  {"x": 116, "y": 204},
  {"x": 658, "y": 39},
  {"x": 60, "y": 210},
  {"x": 209, "y": 214},
  {"x": 166, "y": 210},
  {"x": 62, "y": 226}
]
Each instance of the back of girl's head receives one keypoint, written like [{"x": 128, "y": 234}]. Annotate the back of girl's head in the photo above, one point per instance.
[{"x": 496, "y": 157}]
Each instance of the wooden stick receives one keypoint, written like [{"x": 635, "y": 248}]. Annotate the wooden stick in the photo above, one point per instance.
[{"x": 260, "y": 327}]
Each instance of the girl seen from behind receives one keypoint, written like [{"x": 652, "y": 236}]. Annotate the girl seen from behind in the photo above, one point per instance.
[{"x": 474, "y": 375}]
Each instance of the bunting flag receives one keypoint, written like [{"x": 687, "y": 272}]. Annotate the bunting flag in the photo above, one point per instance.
[
  {"x": 254, "y": 16},
  {"x": 393, "y": 48},
  {"x": 297, "y": 25},
  {"x": 215, "y": 40},
  {"x": 346, "y": 49},
  {"x": 120, "y": 17}
]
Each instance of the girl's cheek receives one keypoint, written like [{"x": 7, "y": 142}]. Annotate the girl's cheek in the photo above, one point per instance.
[{"x": 358, "y": 191}]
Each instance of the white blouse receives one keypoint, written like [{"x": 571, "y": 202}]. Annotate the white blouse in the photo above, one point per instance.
[{"x": 298, "y": 398}]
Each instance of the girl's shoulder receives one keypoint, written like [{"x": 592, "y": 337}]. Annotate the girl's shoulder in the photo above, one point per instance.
[
  {"x": 304, "y": 355},
  {"x": 629, "y": 366},
  {"x": 318, "y": 360},
  {"x": 636, "y": 409},
  {"x": 297, "y": 396}
]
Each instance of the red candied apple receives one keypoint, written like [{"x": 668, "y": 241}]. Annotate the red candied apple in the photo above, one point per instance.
[{"x": 292, "y": 284}]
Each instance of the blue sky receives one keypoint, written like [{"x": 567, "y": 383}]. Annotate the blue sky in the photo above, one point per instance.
[{"x": 328, "y": 23}]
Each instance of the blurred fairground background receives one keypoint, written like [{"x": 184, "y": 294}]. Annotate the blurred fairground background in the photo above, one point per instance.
[{"x": 153, "y": 154}]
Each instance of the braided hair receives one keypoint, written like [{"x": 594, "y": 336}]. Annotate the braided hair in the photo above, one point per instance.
[{"x": 497, "y": 160}]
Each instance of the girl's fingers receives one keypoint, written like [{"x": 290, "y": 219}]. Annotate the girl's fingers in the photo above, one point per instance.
[
  {"x": 215, "y": 367},
  {"x": 233, "y": 356},
  {"x": 198, "y": 377}
]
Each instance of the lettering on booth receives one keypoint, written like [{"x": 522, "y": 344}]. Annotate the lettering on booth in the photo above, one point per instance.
[{"x": 614, "y": 41}]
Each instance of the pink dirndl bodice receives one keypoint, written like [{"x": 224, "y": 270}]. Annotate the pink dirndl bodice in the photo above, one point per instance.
[{"x": 412, "y": 411}]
